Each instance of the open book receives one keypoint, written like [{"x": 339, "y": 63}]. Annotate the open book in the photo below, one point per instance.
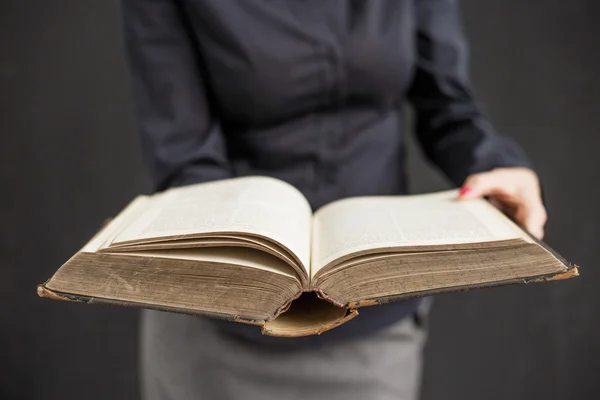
[{"x": 250, "y": 250}]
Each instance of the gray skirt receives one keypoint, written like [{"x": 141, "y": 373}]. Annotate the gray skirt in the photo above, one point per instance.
[{"x": 185, "y": 358}]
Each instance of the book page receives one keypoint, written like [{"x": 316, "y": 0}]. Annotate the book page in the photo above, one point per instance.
[
  {"x": 253, "y": 205},
  {"x": 227, "y": 256},
  {"x": 362, "y": 223},
  {"x": 104, "y": 237}
]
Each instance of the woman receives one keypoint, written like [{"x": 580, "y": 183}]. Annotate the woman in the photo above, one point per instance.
[{"x": 311, "y": 92}]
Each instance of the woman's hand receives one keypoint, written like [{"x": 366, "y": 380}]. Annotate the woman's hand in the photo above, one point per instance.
[{"x": 516, "y": 191}]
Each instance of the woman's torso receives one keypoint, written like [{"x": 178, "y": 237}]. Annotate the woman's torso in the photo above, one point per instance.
[{"x": 312, "y": 92}]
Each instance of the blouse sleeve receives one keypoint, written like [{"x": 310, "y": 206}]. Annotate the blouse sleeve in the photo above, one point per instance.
[
  {"x": 450, "y": 126},
  {"x": 181, "y": 137}
]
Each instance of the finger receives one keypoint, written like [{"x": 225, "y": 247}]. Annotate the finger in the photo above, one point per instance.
[
  {"x": 538, "y": 233},
  {"x": 507, "y": 206},
  {"x": 532, "y": 216},
  {"x": 496, "y": 203},
  {"x": 535, "y": 222},
  {"x": 491, "y": 183}
]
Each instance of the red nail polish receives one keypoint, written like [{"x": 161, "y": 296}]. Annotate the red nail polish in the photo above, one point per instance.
[{"x": 464, "y": 191}]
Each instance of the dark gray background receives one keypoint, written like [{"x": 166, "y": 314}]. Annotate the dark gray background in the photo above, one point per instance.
[{"x": 69, "y": 157}]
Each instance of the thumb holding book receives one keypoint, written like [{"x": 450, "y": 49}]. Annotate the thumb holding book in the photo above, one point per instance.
[{"x": 515, "y": 191}]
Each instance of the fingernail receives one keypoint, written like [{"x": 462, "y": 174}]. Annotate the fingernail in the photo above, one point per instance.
[{"x": 464, "y": 191}]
